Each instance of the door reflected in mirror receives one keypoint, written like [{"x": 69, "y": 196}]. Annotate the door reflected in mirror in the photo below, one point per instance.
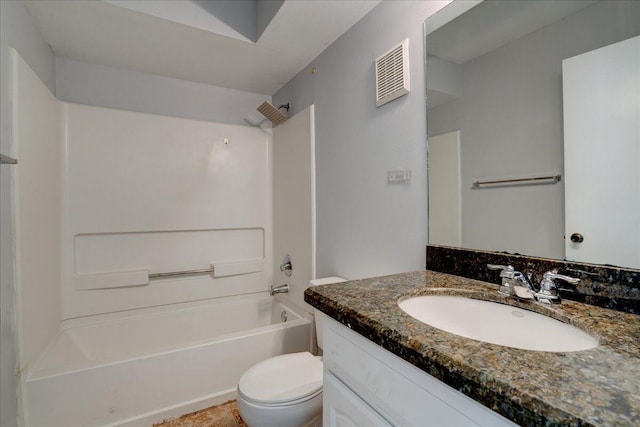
[{"x": 530, "y": 89}]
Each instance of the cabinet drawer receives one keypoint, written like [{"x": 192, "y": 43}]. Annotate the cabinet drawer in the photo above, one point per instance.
[
  {"x": 402, "y": 393},
  {"x": 343, "y": 408}
]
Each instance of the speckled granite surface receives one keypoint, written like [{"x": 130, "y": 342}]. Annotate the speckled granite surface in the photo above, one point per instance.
[
  {"x": 602, "y": 285},
  {"x": 600, "y": 386}
]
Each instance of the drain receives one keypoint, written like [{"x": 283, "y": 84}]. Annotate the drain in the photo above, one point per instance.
[{"x": 283, "y": 316}]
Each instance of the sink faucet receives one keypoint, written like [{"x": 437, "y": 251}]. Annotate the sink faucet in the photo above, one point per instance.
[
  {"x": 548, "y": 291},
  {"x": 282, "y": 289},
  {"x": 516, "y": 284},
  {"x": 510, "y": 279}
]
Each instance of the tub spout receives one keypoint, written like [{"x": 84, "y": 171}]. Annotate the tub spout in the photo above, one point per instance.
[{"x": 282, "y": 289}]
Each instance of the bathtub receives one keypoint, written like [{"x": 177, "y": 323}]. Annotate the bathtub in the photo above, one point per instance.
[{"x": 160, "y": 363}]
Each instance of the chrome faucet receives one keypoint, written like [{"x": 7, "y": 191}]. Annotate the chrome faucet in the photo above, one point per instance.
[
  {"x": 282, "y": 289},
  {"x": 516, "y": 284},
  {"x": 548, "y": 291},
  {"x": 510, "y": 279}
]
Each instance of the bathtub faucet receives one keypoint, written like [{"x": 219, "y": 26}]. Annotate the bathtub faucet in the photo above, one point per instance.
[{"x": 282, "y": 289}]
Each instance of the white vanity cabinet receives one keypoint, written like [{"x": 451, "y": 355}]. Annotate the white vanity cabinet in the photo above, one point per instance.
[
  {"x": 345, "y": 408},
  {"x": 366, "y": 385}
]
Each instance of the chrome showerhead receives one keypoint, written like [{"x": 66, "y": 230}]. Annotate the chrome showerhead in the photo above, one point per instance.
[{"x": 274, "y": 114}]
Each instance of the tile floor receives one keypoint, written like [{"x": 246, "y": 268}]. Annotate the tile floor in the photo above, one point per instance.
[{"x": 225, "y": 415}]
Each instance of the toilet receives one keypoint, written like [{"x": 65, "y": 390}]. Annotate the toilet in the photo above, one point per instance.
[{"x": 285, "y": 390}]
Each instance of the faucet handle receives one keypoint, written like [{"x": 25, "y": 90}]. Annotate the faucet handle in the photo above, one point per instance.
[
  {"x": 287, "y": 267},
  {"x": 549, "y": 290},
  {"x": 507, "y": 270},
  {"x": 549, "y": 277},
  {"x": 508, "y": 273}
]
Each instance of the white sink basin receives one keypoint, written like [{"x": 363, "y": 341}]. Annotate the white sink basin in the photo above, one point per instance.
[{"x": 497, "y": 323}]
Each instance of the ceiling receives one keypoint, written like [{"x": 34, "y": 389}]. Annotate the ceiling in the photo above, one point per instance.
[
  {"x": 495, "y": 23},
  {"x": 482, "y": 29},
  {"x": 199, "y": 40}
]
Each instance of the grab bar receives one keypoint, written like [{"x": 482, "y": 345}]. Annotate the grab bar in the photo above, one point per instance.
[
  {"x": 119, "y": 279},
  {"x": 554, "y": 178},
  {"x": 181, "y": 273},
  {"x": 6, "y": 160}
]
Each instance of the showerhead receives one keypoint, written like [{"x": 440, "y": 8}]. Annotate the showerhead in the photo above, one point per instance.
[{"x": 274, "y": 114}]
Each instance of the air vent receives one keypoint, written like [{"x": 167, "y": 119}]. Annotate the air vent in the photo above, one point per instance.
[{"x": 392, "y": 73}]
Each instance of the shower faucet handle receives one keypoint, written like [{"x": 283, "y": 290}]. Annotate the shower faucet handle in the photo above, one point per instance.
[{"x": 286, "y": 267}]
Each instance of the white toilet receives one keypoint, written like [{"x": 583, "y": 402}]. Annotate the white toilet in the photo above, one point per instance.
[{"x": 286, "y": 390}]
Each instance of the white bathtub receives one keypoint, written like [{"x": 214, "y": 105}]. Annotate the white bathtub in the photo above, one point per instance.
[{"x": 158, "y": 364}]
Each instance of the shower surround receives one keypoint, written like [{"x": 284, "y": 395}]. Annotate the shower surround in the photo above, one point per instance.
[{"x": 110, "y": 204}]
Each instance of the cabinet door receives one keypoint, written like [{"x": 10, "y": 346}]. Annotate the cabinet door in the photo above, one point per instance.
[{"x": 343, "y": 408}]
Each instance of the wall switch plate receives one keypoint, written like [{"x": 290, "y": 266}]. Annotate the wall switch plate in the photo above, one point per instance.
[{"x": 398, "y": 176}]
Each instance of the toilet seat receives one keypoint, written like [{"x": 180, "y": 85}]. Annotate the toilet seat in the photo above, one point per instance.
[{"x": 283, "y": 380}]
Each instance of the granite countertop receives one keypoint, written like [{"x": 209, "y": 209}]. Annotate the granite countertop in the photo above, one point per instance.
[{"x": 600, "y": 386}]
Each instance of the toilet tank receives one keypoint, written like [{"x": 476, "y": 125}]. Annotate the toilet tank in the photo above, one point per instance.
[{"x": 319, "y": 316}]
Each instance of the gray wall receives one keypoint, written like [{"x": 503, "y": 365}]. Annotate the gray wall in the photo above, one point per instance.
[
  {"x": 17, "y": 30},
  {"x": 103, "y": 86},
  {"x": 510, "y": 118},
  {"x": 366, "y": 227}
]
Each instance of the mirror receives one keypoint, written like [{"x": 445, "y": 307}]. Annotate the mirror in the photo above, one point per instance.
[{"x": 500, "y": 92}]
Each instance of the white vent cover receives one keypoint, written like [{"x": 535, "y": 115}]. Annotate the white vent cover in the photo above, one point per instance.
[{"x": 392, "y": 73}]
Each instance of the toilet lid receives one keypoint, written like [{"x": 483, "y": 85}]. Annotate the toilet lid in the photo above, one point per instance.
[{"x": 282, "y": 379}]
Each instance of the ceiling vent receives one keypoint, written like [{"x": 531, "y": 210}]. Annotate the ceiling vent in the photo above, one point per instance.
[{"x": 392, "y": 73}]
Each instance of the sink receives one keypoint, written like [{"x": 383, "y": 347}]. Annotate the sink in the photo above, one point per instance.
[{"x": 497, "y": 323}]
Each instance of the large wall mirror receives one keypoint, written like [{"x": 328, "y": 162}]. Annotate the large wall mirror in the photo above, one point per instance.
[{"x": 533, "y": 118}]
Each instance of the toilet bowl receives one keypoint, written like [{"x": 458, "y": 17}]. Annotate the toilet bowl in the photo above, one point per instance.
[{"x": 286, "y": 390}]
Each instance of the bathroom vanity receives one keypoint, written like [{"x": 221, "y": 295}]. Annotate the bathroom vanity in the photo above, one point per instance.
[
  {"x": 367, "y": 385},
  {"x": 383, "y": 367}
]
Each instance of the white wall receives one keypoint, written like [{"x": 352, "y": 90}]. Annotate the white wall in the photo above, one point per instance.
[
  {"x": 17, "y": 30},
  {"x": 102, "y": 86},
  {"x": 147, "y": 194},
  {"x": 366, "y": 227},
  {"x": 38, "y": 211},
  {"x": 293, "y": 204},
  {"x": 99, "y": 85}
]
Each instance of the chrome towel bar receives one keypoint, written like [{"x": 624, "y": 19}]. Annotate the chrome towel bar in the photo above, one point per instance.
[
  {"x": 536, "y": 179},
  {"x": 181, "y": 273}
]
